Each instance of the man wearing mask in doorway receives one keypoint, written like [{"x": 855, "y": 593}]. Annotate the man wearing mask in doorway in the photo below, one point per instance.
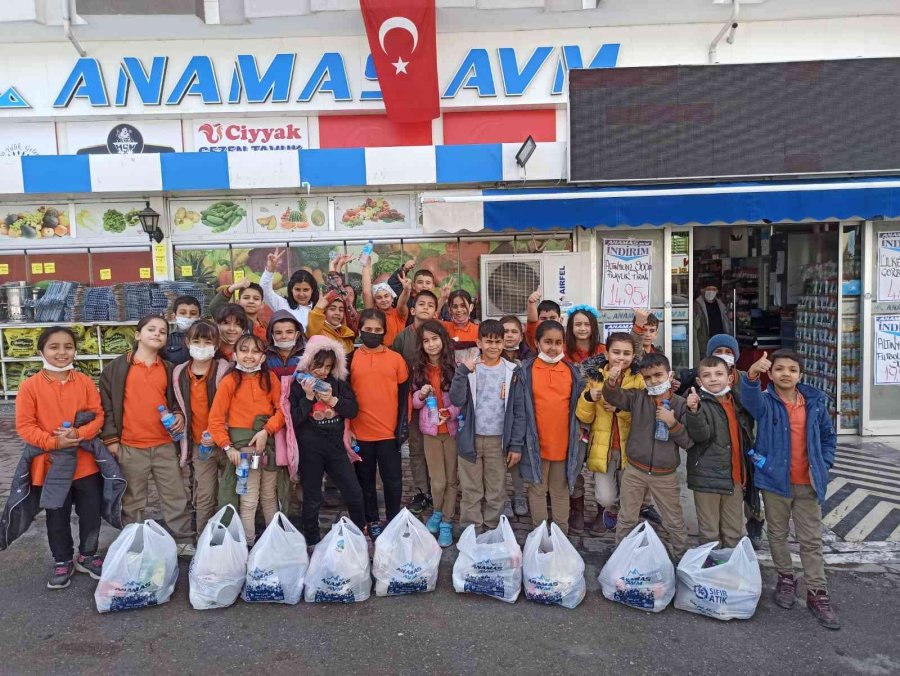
[{"x": 710, "y": 317}]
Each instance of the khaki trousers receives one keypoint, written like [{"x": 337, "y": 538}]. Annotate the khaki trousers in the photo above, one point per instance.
[
  {"x": 262, "y": 489},
  {"x": 720, "y": 517},
  {"x": 206, "y": 483},
  {"x": 554, "y": 481},
  {"x": 161, "y": 463},
  {"x": 418, "y": 466},
  {"x": 483, "y": 484},
  {"x": 804, "y": 507},
  {"x": 664, "y": 492},
  {"x": 440, "y": 453}
]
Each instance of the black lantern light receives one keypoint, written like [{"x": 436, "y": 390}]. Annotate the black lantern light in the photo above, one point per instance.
[{"x": 150, "y": 223}]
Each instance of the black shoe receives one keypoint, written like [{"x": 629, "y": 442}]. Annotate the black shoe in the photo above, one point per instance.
[
  {"x": 754, "y": 532},
  {"x": 650, "y": 514},
  {"x": 419, "y": 503},
  {"x": 373, "y": 530},
  {"x": 90, "y": 564},
  {"x": 61, "y": 575}
]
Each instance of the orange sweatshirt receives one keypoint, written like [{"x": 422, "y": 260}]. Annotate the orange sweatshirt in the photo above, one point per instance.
[
  {"x": 238, "y": 406},
  {"x": 317, "y": 326},
  {"x": 396, "y": 322},
  {"x": 42, "y": 405}
]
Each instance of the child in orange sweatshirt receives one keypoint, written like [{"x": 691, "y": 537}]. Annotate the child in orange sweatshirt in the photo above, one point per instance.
[{"x": 244, "y": 418}]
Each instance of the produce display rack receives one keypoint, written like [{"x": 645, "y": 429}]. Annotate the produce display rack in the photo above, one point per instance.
[{"x": 100, "y": 357}]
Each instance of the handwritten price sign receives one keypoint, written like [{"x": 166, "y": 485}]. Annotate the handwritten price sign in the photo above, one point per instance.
[
  {"x": 627, "y": 272},
  {"x": 888, "y": 266},
  {"x": 887, "y": 350}
]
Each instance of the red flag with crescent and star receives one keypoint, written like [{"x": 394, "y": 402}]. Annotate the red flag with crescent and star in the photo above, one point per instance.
[{"x": 404, "y": 49}]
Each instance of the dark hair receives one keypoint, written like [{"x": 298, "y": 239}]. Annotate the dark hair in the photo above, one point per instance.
[
  {"x": 146, "y": 319},
  {"x": 654, "y": 359},
  {"x": 202, "y": 328},
  {"x": 423, "y": 273},
  {"x": 264, "y": 379},
  {"x": 233, "y": 311},
  {"x": 425, "y": 293},
  {"x": 185, "y": 300},
  {"x": 786, "y": 353},
  {"x": 549, "y": 306},
  {"x": 459, "y": 293},
  {"x": 652, "y": 320},
  {"x": 50, "y": 330},
  {"x": 619, "y": 337},
  {"x": 572, "y": 341},
  {"x": 318, "y": 359},
  {"x": 298, "y": 277},
  {"x": 447, "y": 361},
  {"x": 511, "y": 319},
  {"x": 373, "y": 313},
  {"x": 252, "y": 286},
  {"x": 490, "y": 328},
  {"x": 548, "y": 325},
  {"x": 711, "y": 362}
]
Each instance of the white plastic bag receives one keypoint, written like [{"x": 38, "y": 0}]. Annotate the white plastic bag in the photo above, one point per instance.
[
  {"x": 489, "y": 564},
  {"x": 406, "y": 557},
  {"x": 220, "y": 565},
  {"x": 339, "y": 571},
  {"x": 639, "y": 573},
  {"x": 277, "y": 564},
  {"x": 728, "y": 589},
  {"x": 140, "y": 569},
  {"x": 552, "y": 570}
]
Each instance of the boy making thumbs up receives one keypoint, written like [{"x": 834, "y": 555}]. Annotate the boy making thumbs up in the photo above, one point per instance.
[{"x": 718, "y": 470}]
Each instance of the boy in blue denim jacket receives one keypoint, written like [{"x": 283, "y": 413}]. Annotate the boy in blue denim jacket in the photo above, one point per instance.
[{"x": 795, "y": 437}]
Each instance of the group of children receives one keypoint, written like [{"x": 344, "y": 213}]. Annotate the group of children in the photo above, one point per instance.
[{"x": 300, "y": 401}]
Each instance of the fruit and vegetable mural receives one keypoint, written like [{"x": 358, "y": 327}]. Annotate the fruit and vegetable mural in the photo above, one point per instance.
[
  {"x": 306, "y": 213},
  {"x": 382, "y": 213},
  {"x": 35, "y": 222},
  {"x": 208, "y": 217},
  {"x": 108, "y": 219}
]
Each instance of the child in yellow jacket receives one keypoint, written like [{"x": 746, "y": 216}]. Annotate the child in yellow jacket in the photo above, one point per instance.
[{"x": 328, "y": 318}]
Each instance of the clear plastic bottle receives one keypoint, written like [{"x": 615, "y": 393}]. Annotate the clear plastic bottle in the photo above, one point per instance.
[
  {"x": 318, "y": 385},
  {"x": 242, "y": 471},
  {"x": 366, "y": 255},
  {"x": 662, "y": 430},
  {"x": 431, "y": 404},
  {"x": 168, "y": 420},
  {"x": 461, "y": 420},
  {"x": 206, "y": 446}
]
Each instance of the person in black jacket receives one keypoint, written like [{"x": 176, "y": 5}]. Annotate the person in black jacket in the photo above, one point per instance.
[{"x": 321, "y": 423}]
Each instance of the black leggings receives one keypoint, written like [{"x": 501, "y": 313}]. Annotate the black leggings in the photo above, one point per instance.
[
  {"x": 86, "y": 493},
  {"x": 385, "y": 457},
  {"x": 316, "y": 459}
]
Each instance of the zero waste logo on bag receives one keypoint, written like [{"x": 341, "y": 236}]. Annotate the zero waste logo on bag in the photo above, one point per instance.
[{"x": 711, "y": 594}]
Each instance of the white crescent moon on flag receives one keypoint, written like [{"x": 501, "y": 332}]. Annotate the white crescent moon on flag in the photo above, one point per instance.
[{"x": 403, "y": 24}]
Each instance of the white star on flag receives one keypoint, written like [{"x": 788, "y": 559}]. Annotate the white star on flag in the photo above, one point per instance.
[{"x": 400, "y": 65}]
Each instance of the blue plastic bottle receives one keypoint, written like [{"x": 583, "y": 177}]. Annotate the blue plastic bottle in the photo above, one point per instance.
[
  {"x": 758, "y": 460},
  {"x": 168, "y": 420},
  {"x": 206, "y": 446},
  {"x": 366, "y": 254},
  {"x": 434, "y": 415},
  {"x": 662, "y": 430},
  {"x": 242, "y": 471}
]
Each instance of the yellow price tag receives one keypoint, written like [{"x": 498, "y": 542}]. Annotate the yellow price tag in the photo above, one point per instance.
[
  {"x": 145, "y": 273},
  {"x": 37, "y": 268},
  {"x": 238, "y": 275},
  {"x": 49, "y": 268},
  {"x": 105, "y": 274},
  {"x": 160, "y": 266},
  {"x": 4, "y": 269},
  {"x": 187, "y": 271}
]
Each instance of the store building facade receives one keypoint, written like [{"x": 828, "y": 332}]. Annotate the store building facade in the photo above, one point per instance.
[{"x": 247, "y": 145}]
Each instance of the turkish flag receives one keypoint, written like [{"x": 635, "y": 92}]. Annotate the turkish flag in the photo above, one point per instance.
[{"x": 404, "y": 49}]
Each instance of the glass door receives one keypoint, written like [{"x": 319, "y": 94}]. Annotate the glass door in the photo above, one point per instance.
[{"x": 678, "y": 307}]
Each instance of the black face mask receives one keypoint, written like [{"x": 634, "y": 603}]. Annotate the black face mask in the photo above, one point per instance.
[{"x": 371, "y": 340}]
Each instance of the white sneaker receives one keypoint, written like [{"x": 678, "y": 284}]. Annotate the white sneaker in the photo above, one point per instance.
[{"x": 186, "y": 550}]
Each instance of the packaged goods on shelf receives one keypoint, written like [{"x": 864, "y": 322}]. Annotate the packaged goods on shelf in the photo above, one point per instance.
[
  {"x": 19, "y": 371},
  {"x": 117, "y": 339},
  {"x": 52, "y": 306},
  {"x": 20, "y": 342},
  {"x": 90, "y": 368}
]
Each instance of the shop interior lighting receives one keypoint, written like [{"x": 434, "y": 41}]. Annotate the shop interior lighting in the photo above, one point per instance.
[
  {"x": 150, "y": 223},
  {"x": 525, "y": 152}
]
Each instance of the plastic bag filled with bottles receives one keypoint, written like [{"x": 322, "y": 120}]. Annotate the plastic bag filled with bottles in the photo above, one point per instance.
[
  {"x": 277, "y": 565},
  {"x": 720, "y": 583},
  {"x": 219, "y": 567},
  {"x": 489, "y": 564},
  {"x": 339, "y": 571},
  {"x": 406, "y": 557},
  {"x": 552, "y": 569},
  {"x": 639, "y": 573}
]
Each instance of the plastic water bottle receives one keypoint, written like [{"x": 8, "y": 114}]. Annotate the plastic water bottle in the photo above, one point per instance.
[
  {"x": 366, "y": 254},
  {"x": 757, "y": 459},
  {"x": 206, "y": 446},
  {"x": 332, "y": 255},
  {"x": 662, "y": 430},
  {"x": 168, "y": 420},
  {"x": 318, "y": 385},
  {"x": 461, "y": 419},
  {"x": 67, "y": 425},
  {"x": 434, "y": 415},
  {"x": 355, "y": 448},
  {"x": 242, "y": 471}
]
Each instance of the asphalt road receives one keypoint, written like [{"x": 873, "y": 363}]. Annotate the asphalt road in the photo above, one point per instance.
[{"x": 44, "y": 631}]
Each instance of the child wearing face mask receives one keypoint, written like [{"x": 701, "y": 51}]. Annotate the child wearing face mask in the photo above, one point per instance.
[
  {"x": 583, "y": 334},
  {"x": 321, "y": 422},
  {"x": 433, "y": 369},
  {"x": 463, "y": 331},
  {"x": 286, "y": 345},
  {"x": 549, "y": 388},
  {"x": 233, "y": 323},
  {"x": 383, "y": 297},
  {"x": 651, "y": 464},
  {"x": 328, "y": 318},
  {"x": 718, "y": 470},
  {"x": 379, "y": 378},
  {"x": 132, "y": 387},
  {"x": 194, "y": 384},
  {"x": 244, "y": 418},
  {"x": 186, "y": 311}
]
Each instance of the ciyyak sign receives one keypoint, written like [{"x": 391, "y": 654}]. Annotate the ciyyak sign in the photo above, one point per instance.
[{"x": 258, "y": 133}]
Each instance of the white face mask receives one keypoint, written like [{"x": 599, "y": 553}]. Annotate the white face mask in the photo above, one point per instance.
[
  {"x": 725, "y": 390},
  {"x": 284, "y": 344},
  {"x": 551, "y": 360},
  {"x": 710, "y": 296},
  {"x": 727, "y": 358},
  {"x": 247, "y": 369},
  {"x": 184, "y": 323},
  {"x": 202, "y": 352},
  {"x": 656, "y": 390},
  {"x": 56, "y": 369}
]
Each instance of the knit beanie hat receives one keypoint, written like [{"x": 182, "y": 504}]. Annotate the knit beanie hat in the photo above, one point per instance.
[{"x": 723, "y": 340}]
